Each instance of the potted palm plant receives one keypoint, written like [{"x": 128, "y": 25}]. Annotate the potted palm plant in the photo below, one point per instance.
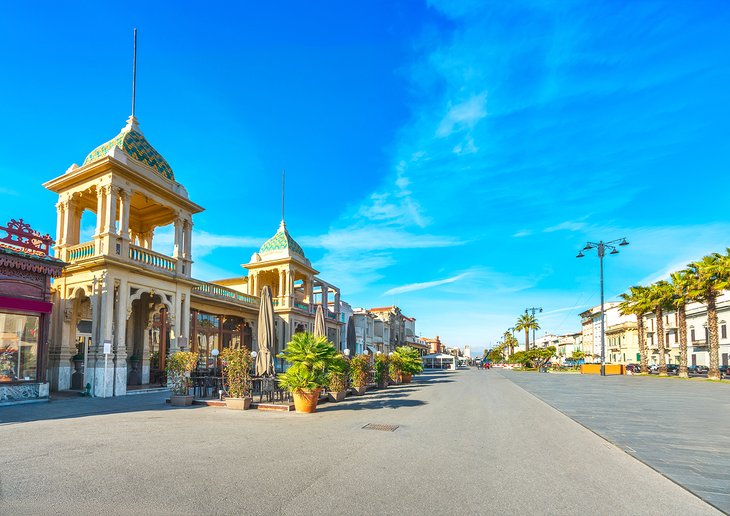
[
  {"x": 337, "y": 373},
  {"x": 382, "y": 365},
  {"x": 309, "y": 357},
  {"x": 236, "y": 376},
  {"x": 409, "y": 361},
  {"x": 359, "y": 370},
  {"x": 179, "y": 366}
]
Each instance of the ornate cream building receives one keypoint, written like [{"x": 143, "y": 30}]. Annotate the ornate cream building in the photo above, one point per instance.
[{"x": 122, "y": 307}]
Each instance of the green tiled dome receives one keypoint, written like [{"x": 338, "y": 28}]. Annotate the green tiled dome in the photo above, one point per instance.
[
  {"x": 281, "y": 241},
  {"x": 134, "y": 145}
]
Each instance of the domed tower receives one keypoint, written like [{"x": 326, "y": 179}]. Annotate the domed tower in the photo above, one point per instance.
[
  {"x": 117, "y": 287},
  {"x": 296, "y": 290}
]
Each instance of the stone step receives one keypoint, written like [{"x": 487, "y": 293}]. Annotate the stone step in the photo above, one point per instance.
[{"x": 147, "y": 390}]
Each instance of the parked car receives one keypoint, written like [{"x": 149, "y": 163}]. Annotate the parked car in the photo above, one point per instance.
[
  {"x": 672, "y": 368},
  {"x": 702, "y": 369},
  {"x": 633, "y": 368},
  {"x": 723, "y": 371}
]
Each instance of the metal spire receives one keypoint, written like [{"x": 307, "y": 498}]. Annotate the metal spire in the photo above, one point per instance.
[
  {"x": 283, "y": 176},
  {"x": 134, "y": 71}
]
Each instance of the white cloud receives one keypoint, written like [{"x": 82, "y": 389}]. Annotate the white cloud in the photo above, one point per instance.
[
  {"x": 522, "y": 233},
  {"x": 376, "y": 238},
  {"x": 568, "y": 225},
  {"x": 8, "y": 191},
  {"x": 424, "y": 285},
  {"x": 463, "y": 116}
]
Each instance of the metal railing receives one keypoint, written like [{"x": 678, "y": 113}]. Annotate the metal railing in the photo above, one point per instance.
[{"x": 217, "y": 291}]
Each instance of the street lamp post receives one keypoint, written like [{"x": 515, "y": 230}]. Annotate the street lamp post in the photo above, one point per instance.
[{"x": 600, "y": 248}]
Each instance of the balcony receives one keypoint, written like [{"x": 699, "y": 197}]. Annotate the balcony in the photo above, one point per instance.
[
  {"x": 152, "y": 259},
  {"x": 79, "y": 252},
  {"x": 213, "y": 291},
  {"x": 147, "y": 258}
]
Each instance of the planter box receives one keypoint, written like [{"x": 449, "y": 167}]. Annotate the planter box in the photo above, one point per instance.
[
  {"x": 336, "y": 396},
  {"x": 180, "y": 401},
  {"x": 238, "y": 403},
  {"x": 406, "y": 378},
  {"x": 359, "y": 391}
]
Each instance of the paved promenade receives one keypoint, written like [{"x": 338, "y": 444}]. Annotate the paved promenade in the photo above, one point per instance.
[
  {"x": 469, "y": 442},
  {"x": 680, "y": 428}
]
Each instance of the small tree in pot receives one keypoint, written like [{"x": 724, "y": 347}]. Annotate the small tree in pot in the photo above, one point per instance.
[
  {"x": 382, "y": 365},
  {"x": 337, "y": 378},
  {"x": 409, "y": 362},
  {"x": 309, "y": 357},
  {"x": 179, "y": 365},
  {"x": 359, "y": 371},
  {"x": 395, "y": 368},
  {"x": 236, "y": 376}
]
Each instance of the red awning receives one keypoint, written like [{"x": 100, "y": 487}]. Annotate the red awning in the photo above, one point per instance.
[{"x": 26, "y": 305}]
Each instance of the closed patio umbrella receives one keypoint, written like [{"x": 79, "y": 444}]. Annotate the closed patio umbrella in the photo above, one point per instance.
[
  {"x": 266, "y": 335},
  {"x": 320, "y": 330},
  {"x": 351, "y": 337}
]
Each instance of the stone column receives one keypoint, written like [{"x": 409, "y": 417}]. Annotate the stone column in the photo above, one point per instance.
[
  {"x": 185, "y": 323},
  {"x": 60, "y": 223},
  {"x": 282, "y": 285},
  {"x": 103, "y": 317},
  {"x": 110, "y": 216},
  {"x": 120, "y": 358},
  {"x": 188, "y": 237},
  {"x": 99, "y": 210},
  {"x": 177, "y": 252},
  {"x": 175, "y": 315},
  {"x": 125, "y": 199}
]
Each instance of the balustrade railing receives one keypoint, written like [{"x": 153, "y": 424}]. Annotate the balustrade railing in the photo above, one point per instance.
[
  {"x": 80, "y": 251},
  {"x": 212, "y": 290},
  {"x": 151, "y": 258}
]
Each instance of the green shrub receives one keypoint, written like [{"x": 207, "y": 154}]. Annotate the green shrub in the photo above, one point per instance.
[{"x": 237, "y": 371}]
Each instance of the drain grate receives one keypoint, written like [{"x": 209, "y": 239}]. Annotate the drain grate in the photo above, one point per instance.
[{"x": 382, "y": 428}]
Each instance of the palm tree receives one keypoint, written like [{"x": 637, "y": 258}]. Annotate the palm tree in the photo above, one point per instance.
[
  {"x": 660, "y": 299},
  {"x": 635, "y": 302},
  {"x": 708, "y": 277},
  {"x": 680, "y": 283},
  {"x": 527, "y": 322},
  {"x": 509, "y": 341}
]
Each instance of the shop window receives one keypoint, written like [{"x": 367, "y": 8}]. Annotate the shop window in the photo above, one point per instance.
[{"x": 18, "y": 347}]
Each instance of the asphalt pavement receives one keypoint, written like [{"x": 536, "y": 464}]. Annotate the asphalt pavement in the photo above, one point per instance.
[
  {"x": 467, "y": 442},
  {"x": 679, "y": 427}
]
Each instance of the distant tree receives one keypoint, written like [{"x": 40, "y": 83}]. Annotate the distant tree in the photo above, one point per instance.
[
  {"x": 577, "y": 356},
  {"x": 496, "y": 354},
  {"x": 527, "y": 322},
  {"x": 541, "y": 356},
  {"x": 636, "y": 302},
  {"x": 660, "y": 299},
  {"x": 708, "y": 277},
  {"x": 680, "y": 298}
]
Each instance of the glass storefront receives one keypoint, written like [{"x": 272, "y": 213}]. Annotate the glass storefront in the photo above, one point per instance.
[
  {"x": 18, "y": 347},
  {"x": 209, "y": 332}
]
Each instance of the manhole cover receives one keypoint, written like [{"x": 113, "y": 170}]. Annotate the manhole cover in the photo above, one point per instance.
[{"x": 382, "y": 428}]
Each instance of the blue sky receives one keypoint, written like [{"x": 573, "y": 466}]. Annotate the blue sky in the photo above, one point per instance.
[{"x": 449, "y": 157}]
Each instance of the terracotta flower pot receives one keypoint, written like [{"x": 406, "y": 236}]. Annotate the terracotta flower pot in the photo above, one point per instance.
[
  {"x": 238, "y": 403},
  {"x": 337, "y": 395},
  {"x": 406, "y": 378},
  {"x": 306, "y": 401},
  {"x": 359, "y": 391},
  {"x": 180, "y": 401}
]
